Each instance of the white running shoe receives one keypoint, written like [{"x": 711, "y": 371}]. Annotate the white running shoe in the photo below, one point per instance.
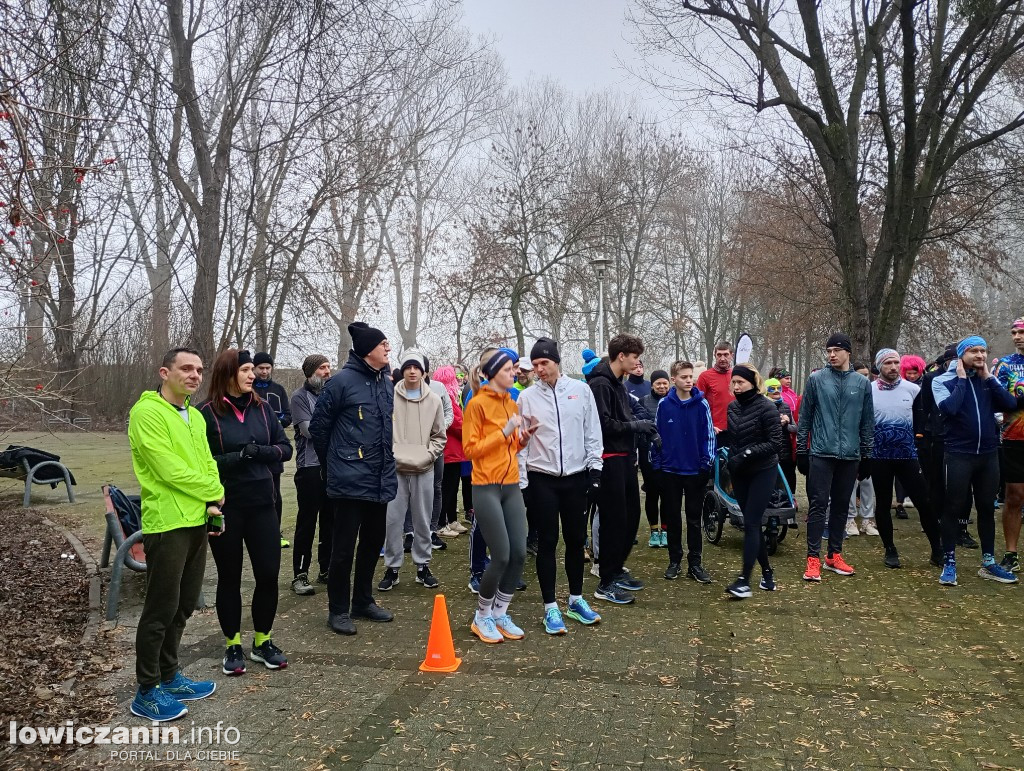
[
  {"x": 851, "y": 528},
  {"x": 868, "y": 527}
]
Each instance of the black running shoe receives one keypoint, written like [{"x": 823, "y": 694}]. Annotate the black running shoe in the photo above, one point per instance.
[
  {"x": 269, "y": 655},
  {"x": 740, "y": 589},
  {"x": 436, "y": 543},
  {"x": 389, "y": 581},
  {"x": 234, "y": 661},
  {"x": 672, "y": 573},
  {"x": 698, "y": 574},
  {"x": 892, "y": 558},
  {"x": 423, "y": 576},
  {"x": 965, "y": 540},
  {"x": 901, "y": 513}
]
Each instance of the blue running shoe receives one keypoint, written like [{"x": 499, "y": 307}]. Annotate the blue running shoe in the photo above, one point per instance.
[
  {"x": 184, "y": 689},
  {"x": 654, "y": 541},
  {"x": 474, "y": 583},
  {"x": 948, "y": 577},
  {"x": 768, "y": 582},
  {"x": 553, "y": 623},
  {"x": 508, "y": 628},
  {"x": 998, "y": 573},
  {"x": 581, "y": 611},
  {"x": 157, "y": 705}
]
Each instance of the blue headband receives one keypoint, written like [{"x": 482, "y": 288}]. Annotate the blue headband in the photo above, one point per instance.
[
  {"x": 511, "y": 354},
  {"x": 970, "y": 342},
  {"x": 496, "y": 362}
]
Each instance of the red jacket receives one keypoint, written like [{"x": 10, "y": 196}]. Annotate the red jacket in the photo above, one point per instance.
[
  {"x": 715, "y": 386},
  {"x": 453, "y": 452}
]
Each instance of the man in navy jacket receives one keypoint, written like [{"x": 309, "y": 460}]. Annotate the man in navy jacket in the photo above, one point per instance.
[
  {"x": 968, "y": 396},
  {"x": 352, "y": 434},
  {"x": 683, "y": 462}
]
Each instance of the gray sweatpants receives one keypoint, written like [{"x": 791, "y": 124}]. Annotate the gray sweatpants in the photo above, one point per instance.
[
  {"x": 501, "y": 517},
  {"x": 416, "y": 496}
]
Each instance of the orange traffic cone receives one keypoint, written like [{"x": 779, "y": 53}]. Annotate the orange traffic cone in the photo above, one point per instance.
[{"x": 440, "y": 648}]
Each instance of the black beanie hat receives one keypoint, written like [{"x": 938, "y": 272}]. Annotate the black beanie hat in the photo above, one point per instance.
[
  {"x": 746, "y": 373},
  {"x": 660, "y": 374},
  {"x": 839, "y": 340},
  {"x": 262, "y": 357},
  {"x": 365, "y": 338},
  {"x": 545, "y": 348},
  {"x": 312, "y": 363},
  {"x": 244, "y": 358}
]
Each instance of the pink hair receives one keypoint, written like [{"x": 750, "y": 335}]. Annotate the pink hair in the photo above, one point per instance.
[
  {"x": 911, "y": 362},
  {"x": 446, "y": 377}
]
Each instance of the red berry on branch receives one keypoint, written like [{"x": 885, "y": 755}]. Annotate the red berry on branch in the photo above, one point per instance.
[
  {"x": 61, "y": 240},
  {"x": 35, "y": 283},
  {"x": 39, "y": 386}
]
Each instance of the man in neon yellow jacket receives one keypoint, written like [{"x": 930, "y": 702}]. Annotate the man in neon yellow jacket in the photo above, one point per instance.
[{"x": 181, "y": 489}]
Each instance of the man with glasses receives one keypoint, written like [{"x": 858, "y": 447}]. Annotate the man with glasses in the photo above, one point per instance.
[{"x": 835, "y": 439}]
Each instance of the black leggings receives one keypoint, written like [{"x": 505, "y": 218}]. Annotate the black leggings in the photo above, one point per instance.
[
  {"x": 674, "y": 489},
  {"x": 450, "y": 493},
  {"x": 967, "y": 474},
  {"x": 908, "y": 473},
  {"x": 753, "y": 491},
  {"x": 258, "y": 529},
  {"x": 553, "y": 498}
]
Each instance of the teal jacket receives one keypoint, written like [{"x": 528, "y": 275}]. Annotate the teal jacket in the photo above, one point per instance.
[{"x": 837, "y": 416}]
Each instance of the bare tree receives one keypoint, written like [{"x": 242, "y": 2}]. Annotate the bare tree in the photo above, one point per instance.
[{"x": 890, "y": 96}]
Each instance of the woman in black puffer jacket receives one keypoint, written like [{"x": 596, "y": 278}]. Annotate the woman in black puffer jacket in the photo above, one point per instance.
[
  {"x": 246, "y": 440},
  {"x": 755, "y": 441}
]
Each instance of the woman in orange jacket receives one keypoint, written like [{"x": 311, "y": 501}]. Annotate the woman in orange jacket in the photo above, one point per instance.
[{"x": 492, "y": 434}]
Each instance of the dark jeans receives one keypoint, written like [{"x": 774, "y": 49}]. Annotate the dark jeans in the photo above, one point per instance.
[
  {"x": 967, "y": 475},
  {"x": 435, "y": 511},
  {"x": 258, "y": 530},
  {"x": 674, "y": 488},
  {"x": 652, "y": 492},
  {"x": 828, "y": 479},
  {"x": 552, "y": 499},
  {"x": 753, "y": 491},
  {"x": 620, "y": 514},
  {"x": 314, "y": 505},
  {"x": 450, "y": 493},
  {"x": 365, "y": 522},
  {"x": 175, "y": 563},
  {"x": 908, "y": 474}
]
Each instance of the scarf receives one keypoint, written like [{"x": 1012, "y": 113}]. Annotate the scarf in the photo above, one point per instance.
[{"x": 884, "y": 385}]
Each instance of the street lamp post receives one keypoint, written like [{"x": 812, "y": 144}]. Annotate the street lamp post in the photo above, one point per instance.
[{"x": 600, "y": 263}]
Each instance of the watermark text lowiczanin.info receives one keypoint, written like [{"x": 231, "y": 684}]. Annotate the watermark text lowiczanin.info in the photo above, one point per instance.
[{"x": 203, "y": 742}]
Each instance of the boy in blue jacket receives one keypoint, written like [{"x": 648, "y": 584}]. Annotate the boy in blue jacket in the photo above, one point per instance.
[
  {"x": 968, "y": 396},
  {"x": 684, "y": 464}
]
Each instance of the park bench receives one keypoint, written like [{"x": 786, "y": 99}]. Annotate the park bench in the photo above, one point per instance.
[
  {"x": 66, "y": 419},
  {"x": 124, "y": 532},
  {"x": 35, "y": 467}
]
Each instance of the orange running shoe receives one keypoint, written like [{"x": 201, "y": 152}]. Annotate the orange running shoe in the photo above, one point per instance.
[
  {"x": 837, "y": 564},
  {"x": 813, "y": 572}
]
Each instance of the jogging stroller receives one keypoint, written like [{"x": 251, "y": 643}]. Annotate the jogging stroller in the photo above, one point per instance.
[{"x": 720, "y": 505}]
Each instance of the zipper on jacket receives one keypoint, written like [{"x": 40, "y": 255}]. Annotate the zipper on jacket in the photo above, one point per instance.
[
  {"x": 558, "y": 422},
  {"x": 977, "y": 412}
]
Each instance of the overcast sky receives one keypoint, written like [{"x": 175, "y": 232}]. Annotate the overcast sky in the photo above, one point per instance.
[{"x": 574, "y": 41}]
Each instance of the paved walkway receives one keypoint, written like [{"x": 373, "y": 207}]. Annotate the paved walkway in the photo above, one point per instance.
[{"x": 881, "y": 670}]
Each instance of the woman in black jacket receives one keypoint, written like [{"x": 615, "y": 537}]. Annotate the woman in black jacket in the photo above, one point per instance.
[
  {"x": 755, "y": 442},
  {"x": 246, "y": 440}
]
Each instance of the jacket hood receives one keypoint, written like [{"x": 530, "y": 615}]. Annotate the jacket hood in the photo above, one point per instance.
[
  {"x": 603, "y": 370},
  {"x": 696, "y": 397},
  {"x": 638, "y": 379},
  {"x": 401, "y": 390},
  {"x": 358, "y": 363}
]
